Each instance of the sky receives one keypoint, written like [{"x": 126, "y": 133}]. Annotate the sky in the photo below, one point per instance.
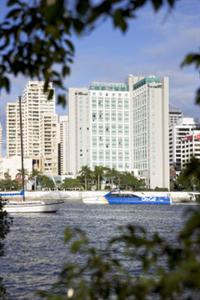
[{"x": 155, "y": 44}]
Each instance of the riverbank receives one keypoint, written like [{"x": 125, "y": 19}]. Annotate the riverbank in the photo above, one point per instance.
[{"x": 78, "y": 196}]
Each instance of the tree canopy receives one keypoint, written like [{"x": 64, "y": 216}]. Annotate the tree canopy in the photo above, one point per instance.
[
  {"x": 5, "y": 222},
  {"x": 45, "y": 182},
  {"x": 36, "y": 37}
]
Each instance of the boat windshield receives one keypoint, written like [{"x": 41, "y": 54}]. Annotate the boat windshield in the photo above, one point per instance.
[{"x": 123, "y": 195}]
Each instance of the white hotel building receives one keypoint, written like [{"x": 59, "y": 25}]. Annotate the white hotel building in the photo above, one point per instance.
[
  {"x": 122, "y": 126},
  {"x": 39, "y": 128}
]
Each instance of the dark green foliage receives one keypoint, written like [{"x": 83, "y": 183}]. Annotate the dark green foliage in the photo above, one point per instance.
[
  {"x": 112, "y": 178},
  {"x": 4, "y": 226},
  {"x": 71, "y": 184},
  {"x": 129, "y": 181},
  {"x": 85, "y": 177},
  {"x": 45, "y": 182},
  {"x": 36, "y": 36},
  {"x": 189, "y": 178},
  {"x": 9, "y": 185},
  {"x": 98, "y": 174},
  {"x": 5, "y": 222},
  {"x": 167, "y": 271}
]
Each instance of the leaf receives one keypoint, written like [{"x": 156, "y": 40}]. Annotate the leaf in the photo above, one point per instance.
[
  {"x": 157, "y": 4},
  {"x": 68, "y": 234},
  {"x": 75, "y": 246},
  {"x": 14, "y": 13},
  {"x": 171, "y": 2},
  {"x": 119, "y": 20},
  {"x": 78, "y": 25},
  {"x": 53, "y": 10},
  {"x": 65, "y": 70},
  {"x": 61, "y": 99},
  {"x": 197, "y": 98},
  {"x": 82, "y": 6},
  {"x": 70, "y": 45},
  {"x": 14, "y": 2},
  {"x": 192, "y": 58},
  {"x": 5, "y": 83},
  {"x": 50, "y": 94}
]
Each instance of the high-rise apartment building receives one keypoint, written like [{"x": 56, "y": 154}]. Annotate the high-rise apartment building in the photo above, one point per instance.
[
  {"x": 39, "y": 122},
  {"x": 13, "y": 129},
  {"x": 63, "y": 157},
  {"x": 122, "y": 126},
  {"x": 177, "y": 132},
  {"x": 79, "y": 126},
  {"x": 48, "y": 143},
  {"x": 175, "y": 115}
]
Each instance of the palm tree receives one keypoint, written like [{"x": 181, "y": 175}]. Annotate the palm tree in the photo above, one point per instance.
[
  {"x": 19, "y": 172},
  {"x": 129, "y": 181},
  {"x": 98, "y": 173},
  {"x": 85, "y": 173},
  {"x": 111, "y": 175},
  {"x": 34, "y": 173},
  {"x": 34, "y": 176},
  {"x": 7, "y": 175}
]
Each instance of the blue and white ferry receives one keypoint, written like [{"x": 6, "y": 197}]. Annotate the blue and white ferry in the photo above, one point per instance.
[{"x": 127, "y": 197}]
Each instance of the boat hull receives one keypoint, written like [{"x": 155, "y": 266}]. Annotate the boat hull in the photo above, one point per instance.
[
  {"x": 142, "y": 201},
  {"x": 127, "y": 199}
]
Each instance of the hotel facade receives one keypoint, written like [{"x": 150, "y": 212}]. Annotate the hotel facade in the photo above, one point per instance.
[{"x": 122, "y": 126}]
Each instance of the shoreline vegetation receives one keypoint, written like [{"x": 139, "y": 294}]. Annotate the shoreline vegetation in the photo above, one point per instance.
[{"x": 101, "y": 178}]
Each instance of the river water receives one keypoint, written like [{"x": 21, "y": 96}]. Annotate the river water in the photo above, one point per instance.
[{"x": 35, "y": 251}]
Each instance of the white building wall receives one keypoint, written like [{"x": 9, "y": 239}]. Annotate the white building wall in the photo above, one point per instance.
[
  {"x": 36, "y": 104},
  {"x": 175, "y": 116},
  {"x": 83, "y": 130},
  {"x": 13, "y": 129},
  {"x": 49, "y": 143},
  {"x": 12, "y": 166},
  {"x": 150, "y": 130},
  {"x": 110, "y": 127},
  {"x": 78, "y": 110}
]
